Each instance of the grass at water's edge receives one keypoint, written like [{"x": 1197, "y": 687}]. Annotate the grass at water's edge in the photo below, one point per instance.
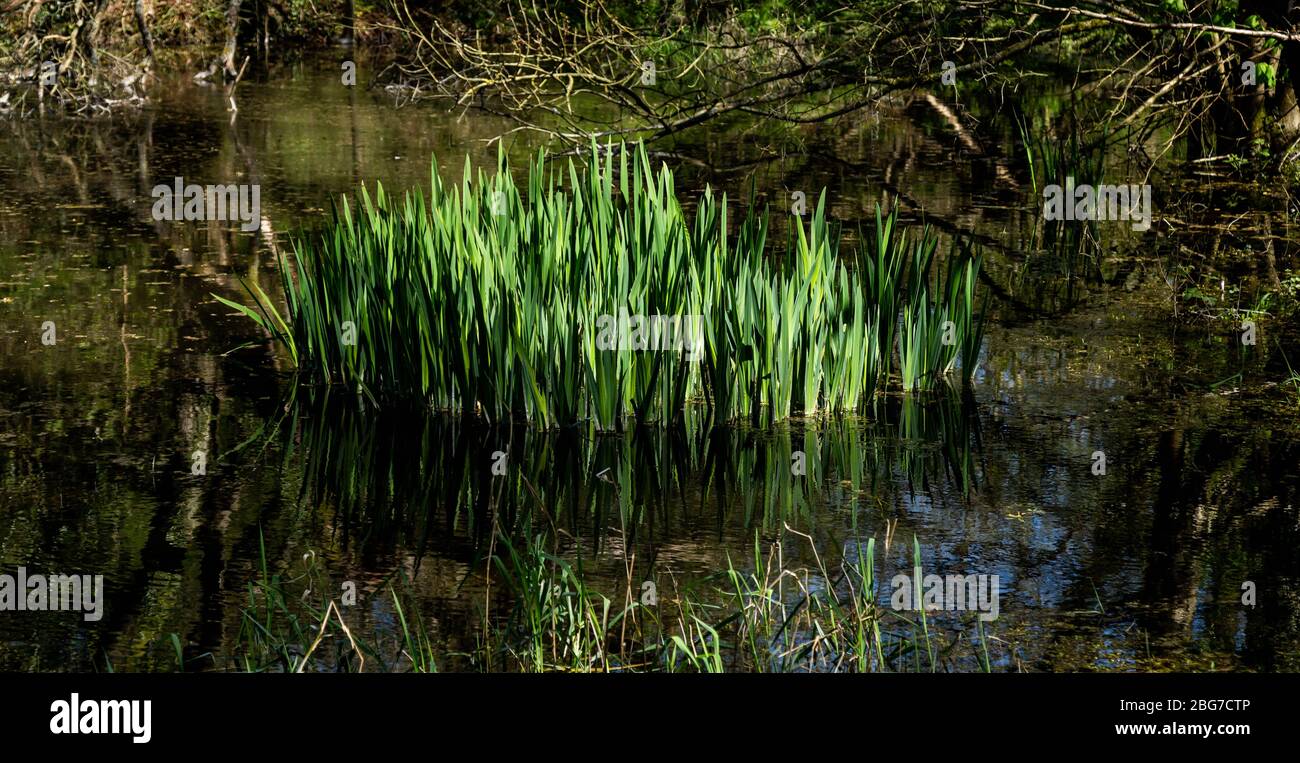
[{"x": 772, "y": 617}]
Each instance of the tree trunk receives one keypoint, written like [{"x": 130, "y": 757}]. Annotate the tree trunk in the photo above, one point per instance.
[
  {"x": 91, "y": 37},
  {"x": 232, "y": 34},
  {"x": 146, "y": 39},
  {"x": 1287, "y": 66}
]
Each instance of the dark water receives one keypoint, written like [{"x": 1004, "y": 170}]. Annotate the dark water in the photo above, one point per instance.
[{"x": 1138, "y": 568}]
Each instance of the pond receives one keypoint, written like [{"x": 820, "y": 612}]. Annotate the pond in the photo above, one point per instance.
[{"x": 1144, "y": 564}]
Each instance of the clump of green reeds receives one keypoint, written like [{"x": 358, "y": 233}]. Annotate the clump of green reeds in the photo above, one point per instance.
[
  {"x": 1051, "y": 156},
  {"x": 557, "y": 622},
  {"x": 488, "y": 298},
  {"x": 938, "y": 330}
]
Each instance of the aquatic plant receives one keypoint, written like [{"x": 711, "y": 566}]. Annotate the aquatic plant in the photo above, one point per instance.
[
  {"x": 940, "y": 325},
  {"x": 1052, "y": 155},
  {"x": 557, "y": 621},
  {"x": 589, "y": 296},
  {"x": 773, "y": 617}
]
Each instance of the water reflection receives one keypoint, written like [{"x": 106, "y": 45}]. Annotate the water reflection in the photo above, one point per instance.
[{"x": 386, "y": 475}]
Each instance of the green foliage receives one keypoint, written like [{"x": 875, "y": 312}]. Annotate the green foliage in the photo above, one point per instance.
[
  {"x": 556, "y": 620},
  {"x": 1268, "y": 73},
  {"x": 503, "y": 301},
  {"x": 1052, "y": 157}
]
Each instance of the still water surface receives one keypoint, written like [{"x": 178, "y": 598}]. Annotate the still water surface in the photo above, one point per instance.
[{"x": 1140, "y": 568}]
